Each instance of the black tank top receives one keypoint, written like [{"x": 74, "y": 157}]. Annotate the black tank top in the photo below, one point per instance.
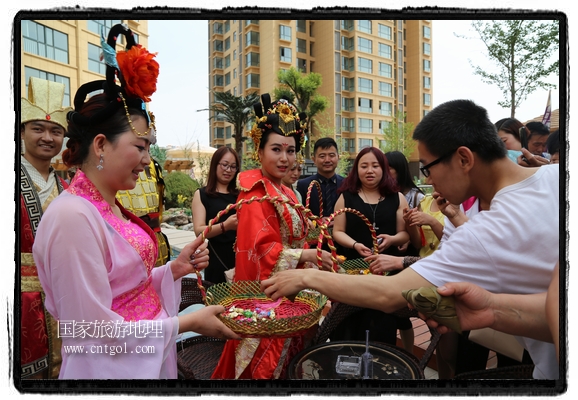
[{"x": 385, "y": 220}]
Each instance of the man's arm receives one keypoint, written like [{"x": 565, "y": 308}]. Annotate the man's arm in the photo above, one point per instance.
[{"x": 368, "y": 291}]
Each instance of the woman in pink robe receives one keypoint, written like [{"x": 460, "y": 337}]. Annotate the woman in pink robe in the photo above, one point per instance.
[{"x": 117, "y": 315}]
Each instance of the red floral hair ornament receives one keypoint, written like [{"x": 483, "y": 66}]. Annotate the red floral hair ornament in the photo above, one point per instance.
[{"x": 139, "y": 71}]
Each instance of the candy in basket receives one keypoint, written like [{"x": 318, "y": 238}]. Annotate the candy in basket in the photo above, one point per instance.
[{"x": 248, "y": 311}]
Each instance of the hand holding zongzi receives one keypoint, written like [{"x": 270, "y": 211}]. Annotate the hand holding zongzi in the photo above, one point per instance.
[{"x": 432, "y": 305}]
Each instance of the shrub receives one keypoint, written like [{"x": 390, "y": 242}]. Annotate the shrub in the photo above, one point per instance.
[{"x": 178, "y": 183}]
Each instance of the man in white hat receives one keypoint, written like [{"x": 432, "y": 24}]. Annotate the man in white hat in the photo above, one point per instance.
[{"x": 42, "y": 128}]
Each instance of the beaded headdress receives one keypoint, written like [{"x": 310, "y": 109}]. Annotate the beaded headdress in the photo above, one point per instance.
[
  {"x": 44, "y": 103},
  {"x": 280, "y": 117},
  {"x": 137, "y": 73}
]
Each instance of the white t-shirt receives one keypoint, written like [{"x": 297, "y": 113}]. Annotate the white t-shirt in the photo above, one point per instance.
[{"x": 511, "y": 248}]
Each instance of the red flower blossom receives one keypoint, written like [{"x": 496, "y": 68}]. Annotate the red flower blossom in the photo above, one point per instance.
[{"x": 139, "y": 71}]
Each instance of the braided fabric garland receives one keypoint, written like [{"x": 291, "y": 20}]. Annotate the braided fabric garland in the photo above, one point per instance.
[{"x": 308, "y": 197}]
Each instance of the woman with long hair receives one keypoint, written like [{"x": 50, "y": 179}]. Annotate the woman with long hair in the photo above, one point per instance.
[
  {"x": 399, "y": 170},
  {"x": 273, "y": 236},
  {"x": 106, "y": 281},
  {"x": 208, "y": 201},
  {"x": 371, "y": 190}
]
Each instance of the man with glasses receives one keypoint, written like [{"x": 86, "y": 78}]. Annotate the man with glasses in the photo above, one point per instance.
[{"x": 498, "y": 249}]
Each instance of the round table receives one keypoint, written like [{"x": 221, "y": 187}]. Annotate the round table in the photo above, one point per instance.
[{"x": 320, "y": 362}]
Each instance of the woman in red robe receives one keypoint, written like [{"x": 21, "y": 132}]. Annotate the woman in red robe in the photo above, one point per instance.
[{"x": 271, "y": 237}]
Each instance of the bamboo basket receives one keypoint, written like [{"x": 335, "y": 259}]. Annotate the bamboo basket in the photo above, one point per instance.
[{"x": 291, "y": 318}]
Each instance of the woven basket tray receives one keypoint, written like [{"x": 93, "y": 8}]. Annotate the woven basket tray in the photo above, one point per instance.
[
  {"x": 291, "y": 318},
  {"x": 357, "y": 266}
]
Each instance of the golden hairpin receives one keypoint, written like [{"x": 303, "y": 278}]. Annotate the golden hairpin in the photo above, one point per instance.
[{"x": 139, "y": 134}]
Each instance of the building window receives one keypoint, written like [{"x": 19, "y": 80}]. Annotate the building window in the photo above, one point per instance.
[
  {"x": 349, "y": 145},
  {"x": 364, "y": 65},
  {"x": 228, "y": 132},
  {"x": 426, "y": 82},
  {"x": 363, "y": 143},
  {"x": 253, "y": 81},
  {"x": 228, "y": 61},
  {"x": 384, "y": 125},
  {"x": 426, "y": 65},
  {"x": 135, "y": 37},
  {"x": 365, "y": 85},
  {"x": 302, "y": 65},
  {"x": 384, "y": 31},
  {"x": 218, "y": 28},
  {"x": 234, "y": 36},
  {"x": 235, "y": 73},
  {"x": 285, "y": 32},
  {"x": 347, "y": 25},
  {"x": 346, "y": 43},
  {"x": 33, "y": 72},
  {"x": 348, "y": 124},
  {"x": 45, "y": 42},
  {"x": 251, "y": 21},
  {"x": 365, "y": 105},
  {"x": 219, "y": 133},
  {"x": 348, "y": 84},
  {"x": 218, "y": 45},
  {"x": 385, "y": 50},
  {"x": 235, "y": 91},
  {"x": 301, "y": 46},
  {"x": 94, "y": 63},
  {"x": 234, "y": 54},
  {"x": 426, "y": 32},
  {"x": 218, "y": 80},
  {"x": 227, "y": 44},
  {"x": 364, "y": 45},
  {"x": 385, "y": 89},
  {"x": 227, "y": 26},
  {"x": 364, "y": 25},
  {"x": 227, "y": 78},
  {"x": 385, "y": 70},
  {"x": 252, "y": 59},
  {"x": 252, "y": 38},
  {"x": 348, "y": 104},
  {"x": 285, "y": 54},
  {"x": 347, "y": 63},
  {"x": 425, "y": 112},
  {"x": 97, "y": 25},
  {"x": 426, "y": 49},
  {"x": 218, "y": 62},
  {"x": 426, "y": 99},
  {"x": 301, "y": 25},
  {"x": 385, "y": 108}
]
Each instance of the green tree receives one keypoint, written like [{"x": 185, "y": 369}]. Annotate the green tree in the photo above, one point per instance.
[
  {"x": 178, "y": 183},
  {"x": 301, "y": 90},
  {"x": 236, "y": 110},
  {"x": 204, "y": 162},
  {"x": 397, "y": 135},
  {"x": 521, "y": 50},
  {"x": 158, "y": 153}
]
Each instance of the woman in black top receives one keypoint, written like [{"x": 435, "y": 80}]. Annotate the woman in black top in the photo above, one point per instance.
[
  {"x": 369, "y": 189},
  {"x": 208, "y": 201}
]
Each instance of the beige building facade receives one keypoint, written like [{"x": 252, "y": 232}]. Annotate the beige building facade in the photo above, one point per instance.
[
  {"x": 370, "y": 70},
  {"x": 68, "y": 51}
]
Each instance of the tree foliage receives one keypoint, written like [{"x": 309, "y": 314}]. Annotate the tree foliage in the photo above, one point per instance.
[
  {"x": 178, "y": 183},
  {"x": 236, "y": 110},
  {"x": 397, "y": 136},
  {"x": 301, "y": 90},
  {"x": 521, "y": 50}
]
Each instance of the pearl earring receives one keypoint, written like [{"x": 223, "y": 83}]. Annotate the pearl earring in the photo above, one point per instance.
[{"x": 100, "y": 167}]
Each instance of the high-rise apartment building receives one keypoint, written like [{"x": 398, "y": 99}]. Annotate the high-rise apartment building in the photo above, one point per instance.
[
  {"x": 68, "y": 51},
  {"x": 370, "y": 70}
]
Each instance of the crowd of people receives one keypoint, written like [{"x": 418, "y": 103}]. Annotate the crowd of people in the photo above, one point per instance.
[{"x": 108, "y": 262}]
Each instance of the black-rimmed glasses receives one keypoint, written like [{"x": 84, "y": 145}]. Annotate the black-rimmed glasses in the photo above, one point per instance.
[
  {"x": 425, "y": 169},
  {"x": 228, "y": 167}
]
